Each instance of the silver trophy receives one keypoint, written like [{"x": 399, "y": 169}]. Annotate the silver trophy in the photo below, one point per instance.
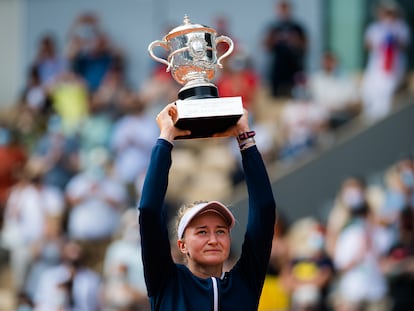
[{"x": 193, "y": 62}]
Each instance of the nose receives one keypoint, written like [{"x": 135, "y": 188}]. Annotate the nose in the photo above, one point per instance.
[{"x": 212, "y": 239}]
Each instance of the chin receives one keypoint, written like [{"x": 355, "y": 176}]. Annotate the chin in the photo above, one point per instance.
[{"x": 214, "y": 260}]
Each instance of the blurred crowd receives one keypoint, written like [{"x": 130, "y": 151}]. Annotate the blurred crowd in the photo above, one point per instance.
[
  {"x": 361, "y": 258},
  {"x": 75, "y": 148}
]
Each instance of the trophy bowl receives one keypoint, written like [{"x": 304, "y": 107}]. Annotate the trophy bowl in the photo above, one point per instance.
[
  {"x": 192, "y": 58},
  {"x": 193, "y": 62}
]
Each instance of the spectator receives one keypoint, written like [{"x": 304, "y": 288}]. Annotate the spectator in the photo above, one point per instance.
[
  {"x": 94, "y": 132},
  {"x": 34, "y": 107},
  {"x": 239, "y": 78},
  {"x": 309, "y": 271},
  {"x": 222, "y": 26},
  {"x": 91, "y": 51},
  {"x": 12, "y": 159},
  {"x": 70, "y": 101},
  {"x": 386, "y": 39},
  {"x": 302, "y": 124},
  {"x": 352, "y": 192},
  {"x": 108, "y": 104},
  {"x": 286, "y": 43},
  {"x": 399, "y": 192},
  {"x": 111, "y": 97},
  {"x": 70, "y": 285},
  {"x": 398, "y": 265},
  {"x": 124, "y": 284},
  {"x": 47, "y": 68},
  {"x": 403, "y": 188},
  {"x": 48, "y": 62},
  {"x": 275, "y": 295},
  {"x": 96, "y": 200},
  {"x": 45, "y": 253},
  {"x": 83, "y": 34},
  {"x": 35, "y": 98},
  {"x": 58, "y": 152},
  {"x": 361, "y": 283},
  {"x": 157, "y": 89},
  {"x": 131, "y": 140},
  {"x": 336, "y": 91},
  {"x": 30, "y": 202}
]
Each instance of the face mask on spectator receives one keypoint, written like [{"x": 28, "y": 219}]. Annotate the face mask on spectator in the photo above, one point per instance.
[
  {"x": 316, "y": 241},
  {"x": 353, "y": 197},
  {"x": 407, "y": 177},
  {"x": 51, "y": 252}
]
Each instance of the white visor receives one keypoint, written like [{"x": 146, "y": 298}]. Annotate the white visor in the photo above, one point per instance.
[{"x": 198, "y": 209}]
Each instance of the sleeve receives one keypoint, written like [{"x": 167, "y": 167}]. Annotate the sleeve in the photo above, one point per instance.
[
  {"x": 349, "y": 246},
  {"x": 156, "y": 254},
  {"x": 370, "y": 36},
  {"x": 258, "y": 238},
  {"x": 404, "y": 34}
]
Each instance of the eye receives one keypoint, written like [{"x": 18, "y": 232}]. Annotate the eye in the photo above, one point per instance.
[
  {"x": 201, "y": 232},
  {"x": 221, "y": 232}
]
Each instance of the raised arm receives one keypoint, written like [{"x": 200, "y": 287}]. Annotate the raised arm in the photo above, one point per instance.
[
  {"x": 262, "y": 210},
  {"x": 156, "y": 254}
]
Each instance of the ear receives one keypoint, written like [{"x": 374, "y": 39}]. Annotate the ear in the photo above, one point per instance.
[{"x": 182, "y": 246}]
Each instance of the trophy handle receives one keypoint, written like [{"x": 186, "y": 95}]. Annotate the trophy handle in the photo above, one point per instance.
[
  {"x": 162, "y": 44},
  {"x": 229, "y": 50}
]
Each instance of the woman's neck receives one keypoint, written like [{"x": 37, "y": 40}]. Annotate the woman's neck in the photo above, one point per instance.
[{"x": 204, "y": 272}]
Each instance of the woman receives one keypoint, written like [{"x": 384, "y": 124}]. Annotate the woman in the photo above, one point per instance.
[{"x": 204, "y": 234}]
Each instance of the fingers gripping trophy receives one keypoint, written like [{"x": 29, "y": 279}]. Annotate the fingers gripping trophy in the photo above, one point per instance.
[{"x": 193, "y": 62}]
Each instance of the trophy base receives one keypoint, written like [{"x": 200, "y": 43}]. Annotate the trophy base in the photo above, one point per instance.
[
  {"x": 200, "y": 91},
  {"x": 207, "y": 116}
]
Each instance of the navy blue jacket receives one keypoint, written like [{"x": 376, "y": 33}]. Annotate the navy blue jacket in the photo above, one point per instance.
[{"x": 172, "y": 286}]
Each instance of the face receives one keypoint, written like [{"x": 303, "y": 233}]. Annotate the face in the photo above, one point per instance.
[
  {"x": 206, "y": 240},
  {"x": 353, "y": 193},
  {"x": 329, "y": 62},
  {"x": 283, "y": 9}
]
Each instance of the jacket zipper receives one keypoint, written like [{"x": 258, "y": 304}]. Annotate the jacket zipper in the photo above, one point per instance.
[{"x": 215, "y": 293}]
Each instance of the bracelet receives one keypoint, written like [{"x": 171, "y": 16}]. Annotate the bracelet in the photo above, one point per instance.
[
  {"x": 246, "y": 143},
  {"x": 245, "y": 135},
  {"x": 246, "y": 139}
]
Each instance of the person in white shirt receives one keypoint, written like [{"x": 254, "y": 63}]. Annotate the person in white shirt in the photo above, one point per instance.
[
  {"x": 124, "y": 283},
  {"x": 30, "y": 202},
  {"x": 96, "y": 199},
  {"x": 131, "y": 142},
  {"x": 386, "y": 39},
  {"x": 69, "y": 286},
  {"x": 356, "y": 258},
  {"x": 335, "y": 90}
]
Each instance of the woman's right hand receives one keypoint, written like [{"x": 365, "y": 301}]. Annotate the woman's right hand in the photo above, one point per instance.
[
  {"x": 166, "y": 120},
  {"x": 241, "y": 127}
]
